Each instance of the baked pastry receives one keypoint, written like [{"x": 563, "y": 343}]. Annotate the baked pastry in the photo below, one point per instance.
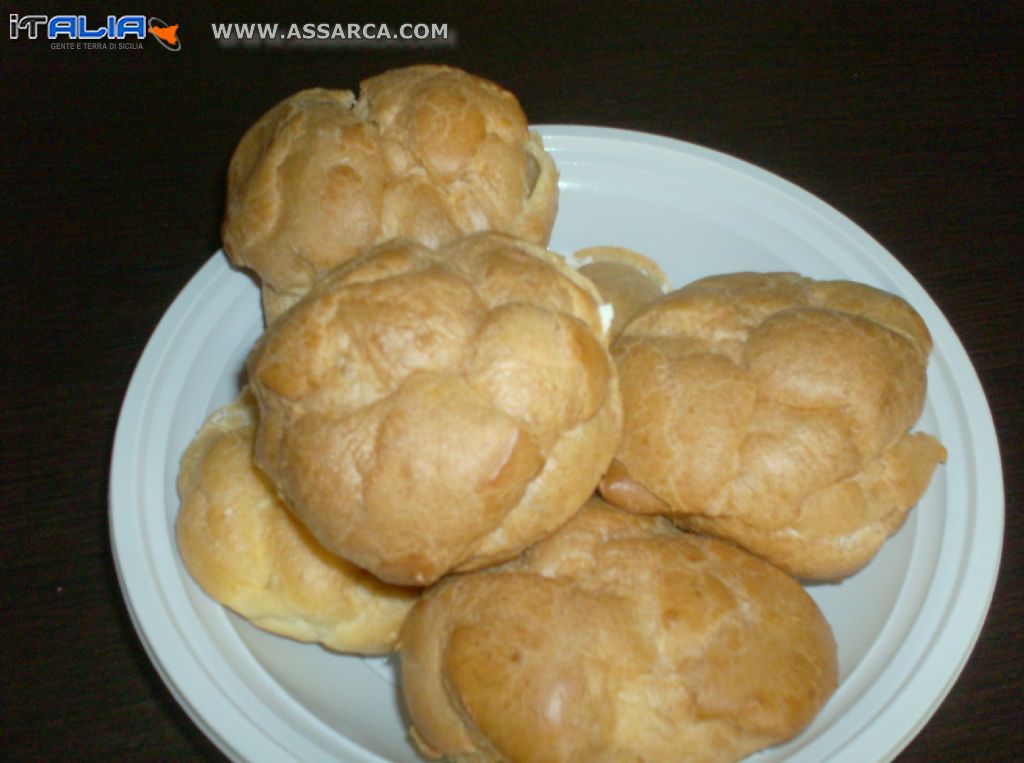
[
  {"x": 426, "y": 410},
  {"x": 426, "y": 152},
  {"x": 241, "y": 544},
  {"x": 774, "y": 410},
  {"x": 617, "y": 638},
  {"x": 627, "y": 280}
]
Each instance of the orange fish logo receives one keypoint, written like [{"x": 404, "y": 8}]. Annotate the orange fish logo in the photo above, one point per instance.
[{"x": 165, "y": 34}]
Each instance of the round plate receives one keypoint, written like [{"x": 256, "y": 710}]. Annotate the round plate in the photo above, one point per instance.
[{"x": 905, "y": 625}]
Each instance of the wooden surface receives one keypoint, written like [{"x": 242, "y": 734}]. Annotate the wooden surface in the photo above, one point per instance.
[{"x": 904, "y": 117}]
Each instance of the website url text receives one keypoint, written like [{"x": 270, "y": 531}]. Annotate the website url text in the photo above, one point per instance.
[{"x": 326, "y": 34}]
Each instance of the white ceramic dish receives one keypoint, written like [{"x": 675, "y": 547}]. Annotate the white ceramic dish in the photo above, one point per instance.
[{"x": 905, "y": 625}]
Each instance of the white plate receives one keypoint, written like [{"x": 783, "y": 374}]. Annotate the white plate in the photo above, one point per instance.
[{"x": 905, "y": 625}]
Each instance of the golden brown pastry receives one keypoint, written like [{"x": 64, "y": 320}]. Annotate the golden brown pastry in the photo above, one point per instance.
[
  {"x": 627, "y": 280},
  {"x": 618, "y": 638},
  {"x": 423, "y": 410},
  {"x": 243, "y": 547},
  {"x": 426, "y": 152},
  {"x": 774, "y": 410}
]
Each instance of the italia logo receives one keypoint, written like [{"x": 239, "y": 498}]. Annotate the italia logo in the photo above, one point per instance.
[{"x": 79, "y": 28}]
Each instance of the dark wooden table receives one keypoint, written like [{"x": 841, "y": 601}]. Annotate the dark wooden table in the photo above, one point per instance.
[{"x": 906, "y": 117}]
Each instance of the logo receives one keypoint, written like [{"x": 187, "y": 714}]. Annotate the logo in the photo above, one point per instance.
[
  {"x": 77, "y": 31},
  {"x": 165, "y": 34}
]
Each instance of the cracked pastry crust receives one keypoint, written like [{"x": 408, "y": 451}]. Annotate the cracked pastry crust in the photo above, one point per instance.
[
  {"x": 774, "y": 411},
  {"x": 246, "y": 551},
  {"x": 617, "y": 638},
  {"x": 425, "y": 152},
  {"x": 426, "y": 410}
]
